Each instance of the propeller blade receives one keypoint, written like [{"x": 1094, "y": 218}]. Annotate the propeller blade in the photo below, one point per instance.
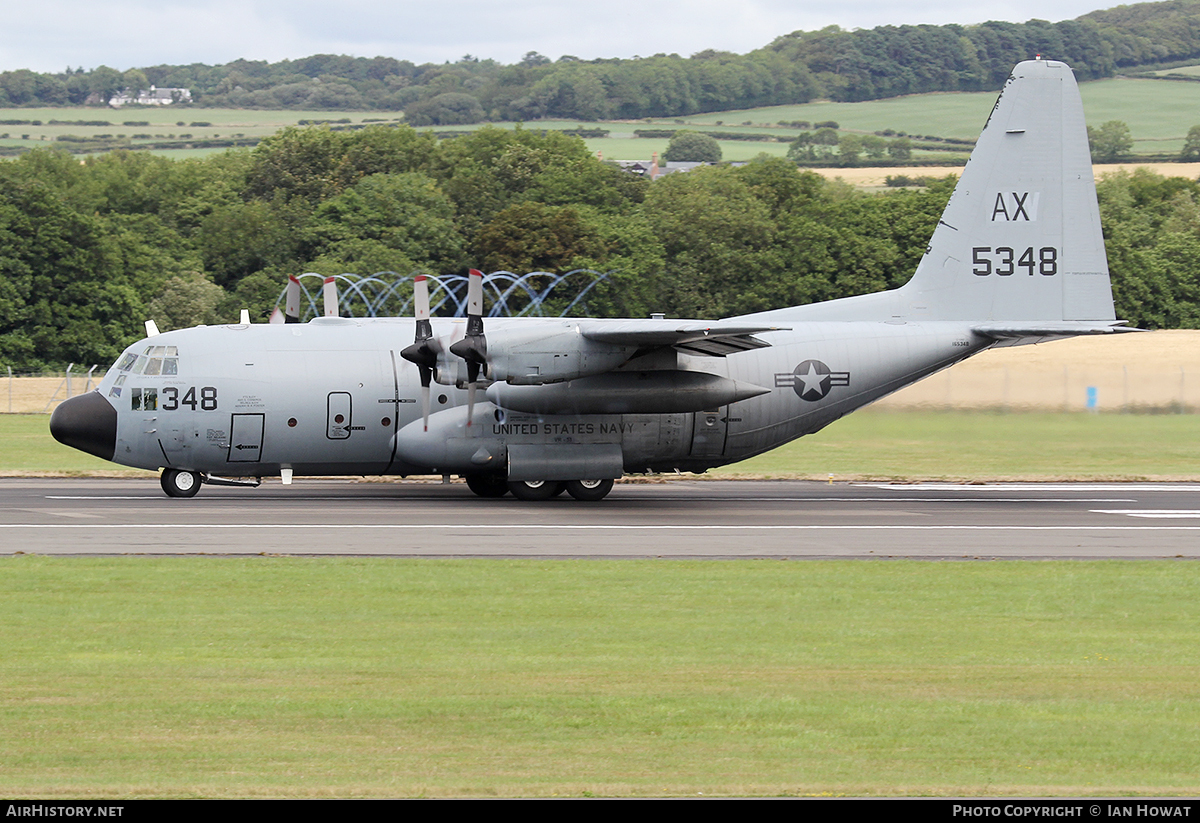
[
  {"x": 424, "y": 400},
  {"x": 475, "y": 302},
  {"x": 329, "y": 297},
  {"x": 276, "y": 318},
  {"x": 291, "y": 304},
  {"x": 473, "y": 347},
  {"x": 424, "y": 350}
]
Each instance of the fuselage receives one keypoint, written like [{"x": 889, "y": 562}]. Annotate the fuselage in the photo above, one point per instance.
[{"x": 333, "y": 397}]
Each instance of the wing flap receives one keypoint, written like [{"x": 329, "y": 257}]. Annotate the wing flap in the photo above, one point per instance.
[{"x": 706, "y": 339}]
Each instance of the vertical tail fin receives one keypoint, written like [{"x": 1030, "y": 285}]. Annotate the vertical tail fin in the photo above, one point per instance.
[{"x": 1020, "y": 238}]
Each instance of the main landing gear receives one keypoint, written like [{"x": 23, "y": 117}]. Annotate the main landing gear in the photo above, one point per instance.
[
  {"x": 177, "y": 483},
  {"x": 495, "y": 485}
]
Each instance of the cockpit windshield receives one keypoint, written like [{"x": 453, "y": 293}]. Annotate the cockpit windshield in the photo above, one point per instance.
[{"x": 153, "y": 361}]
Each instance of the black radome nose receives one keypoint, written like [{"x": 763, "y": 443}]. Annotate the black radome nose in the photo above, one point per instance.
[{"x": 87, "y": 422}]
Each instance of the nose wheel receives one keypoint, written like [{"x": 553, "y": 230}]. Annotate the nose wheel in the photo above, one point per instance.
[{"x": 177, "y": 483}]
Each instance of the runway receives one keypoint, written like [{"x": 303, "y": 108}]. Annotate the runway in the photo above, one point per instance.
[{"x": 668, "y": 519}]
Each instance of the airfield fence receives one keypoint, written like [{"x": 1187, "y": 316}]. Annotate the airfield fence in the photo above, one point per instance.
[{"x": 40, "y": 392}]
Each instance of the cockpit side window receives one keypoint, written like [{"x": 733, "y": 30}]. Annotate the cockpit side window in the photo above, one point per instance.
[{"x": 143, "y": 399}]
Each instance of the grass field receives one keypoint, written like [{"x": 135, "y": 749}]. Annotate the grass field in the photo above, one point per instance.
[
  {"x": 1159, "y": 114},
  {"x": 288, "y": 677}
]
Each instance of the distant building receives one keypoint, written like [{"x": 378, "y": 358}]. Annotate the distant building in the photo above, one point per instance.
[
  {"x": 150, "y": 97},
  {"x": 653, "y": 169}
]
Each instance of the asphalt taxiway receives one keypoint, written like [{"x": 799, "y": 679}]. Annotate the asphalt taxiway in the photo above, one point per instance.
[{"x": 675, "y": 518}]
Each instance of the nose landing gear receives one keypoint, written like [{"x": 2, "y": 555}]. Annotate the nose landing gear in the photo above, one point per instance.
[{"x": 178, "y": 483}]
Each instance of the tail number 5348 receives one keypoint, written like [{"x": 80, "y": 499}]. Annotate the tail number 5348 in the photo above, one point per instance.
[{"x": 1005, "y": 261}]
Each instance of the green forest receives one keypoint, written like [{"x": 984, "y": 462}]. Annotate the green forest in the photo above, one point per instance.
[
  {"x": 834, "y": 64},
  {"x": 91, "y": 248}
]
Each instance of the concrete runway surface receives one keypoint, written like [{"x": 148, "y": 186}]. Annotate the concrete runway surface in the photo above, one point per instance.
[{"x": 675, "y": 518}]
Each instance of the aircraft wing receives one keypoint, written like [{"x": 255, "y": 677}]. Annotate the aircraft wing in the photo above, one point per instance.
[{"x": 707, "y": 339}]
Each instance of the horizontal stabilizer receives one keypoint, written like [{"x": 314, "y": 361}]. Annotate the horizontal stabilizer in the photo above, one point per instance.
[
  {"x": 708, "y": 339},
  {"x": 1048, "y": 330}
]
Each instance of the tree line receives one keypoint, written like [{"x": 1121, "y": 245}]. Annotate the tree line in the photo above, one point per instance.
[
  {"x": 89, "y": 250},
  {"x": 864, "y": 64}
]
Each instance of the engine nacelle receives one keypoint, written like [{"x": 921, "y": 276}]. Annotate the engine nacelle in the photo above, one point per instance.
[{"x": 535, "y": 356}]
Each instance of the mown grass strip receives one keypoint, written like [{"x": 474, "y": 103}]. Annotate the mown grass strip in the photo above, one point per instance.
[{"x": 374, "y": 677}]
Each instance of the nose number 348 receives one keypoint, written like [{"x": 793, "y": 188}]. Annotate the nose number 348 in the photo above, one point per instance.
[{"x": 172, "y": 400}]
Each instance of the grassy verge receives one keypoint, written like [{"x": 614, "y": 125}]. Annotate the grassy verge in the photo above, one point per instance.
[
  {"x": 892, "y": 445},
  {"x": 30, "y": 450},
  {"x": 359, "y": 677},
  {"x": 983, "y": 446}
]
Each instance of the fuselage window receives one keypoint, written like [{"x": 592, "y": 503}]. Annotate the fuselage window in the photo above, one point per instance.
[{"x": 127, "y": 362}]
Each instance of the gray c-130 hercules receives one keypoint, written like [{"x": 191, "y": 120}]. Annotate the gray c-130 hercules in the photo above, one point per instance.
[{"x": 1016, "y": 258}]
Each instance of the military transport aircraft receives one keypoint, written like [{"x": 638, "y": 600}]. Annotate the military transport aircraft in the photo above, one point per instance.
[{"x": 569, "y": 404}]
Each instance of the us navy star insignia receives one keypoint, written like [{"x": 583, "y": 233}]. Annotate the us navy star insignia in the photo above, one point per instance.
[{"x": 812, "y": 380}]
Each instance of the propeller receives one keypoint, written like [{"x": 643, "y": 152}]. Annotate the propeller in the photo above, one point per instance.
[
  {"x": 425, "y": 348},
  {"x": 473, "y": 347},
  {"x": 329, "y": 297}
]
